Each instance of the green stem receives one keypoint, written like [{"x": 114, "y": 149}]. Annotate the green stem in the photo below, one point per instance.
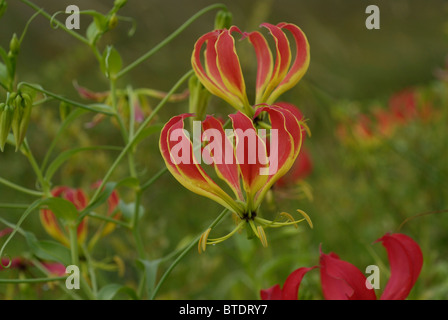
[
  {"x": 139, "y": 131},
  {"x": 135, "y": 233},
  {"x": 58, "y": 23},
  {"x": 71, "y": 117},
  {"x": 74, "y": 244},
  {"x": 35, "y": 280},
  {"x": 107, "y": 219},
  {"x": 169, "y": 38},
  {"x": 57, "y": 97},
  {"x": 27, "y": 151},
  {"x": 154, "y": 178},
  {"x": 184, "y": 253},
  {"x": 13, "y": 206},
  {"x": 21, "y": 189}
]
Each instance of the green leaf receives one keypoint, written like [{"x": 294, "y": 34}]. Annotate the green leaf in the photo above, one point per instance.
[
  {"x": 107, "y": 191},
  {"x": 62, "y": 208},
  {"x": 3, "y": 74},
  {"x": 66, "y": 155},
  {"x": 109, "y": 291},
  {"x": 92, "y": 33},
  {"x": 128, "y": 210},
  {"x": 111, "y": 62},
  {"x": 100, "y": 107},
  {"x": 48, "y": 250},
  {"x": 150, "y": 268}
]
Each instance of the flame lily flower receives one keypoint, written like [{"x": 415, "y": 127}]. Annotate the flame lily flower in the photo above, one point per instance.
[
  {"x": 79, "y": 199},
  {"x": 50, "y": 222},
  {"x": 341, "y": 280},
  {"x": 249, "y": 178},
  {"x": 221, "y": 71}
]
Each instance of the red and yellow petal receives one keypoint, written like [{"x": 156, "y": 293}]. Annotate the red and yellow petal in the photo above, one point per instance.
[
  {"x": 265, "y": 63},
  {"x": 52, "y": 227},
  {"x": 288, "y": 144},
  {"x": 188, "y": 172},
  {"x": 251, "y": 155},
  {"x": 222, "y": 74},
  {"x": 282, "y": 60},
  {"x": 223, "y": 157},
  {"x": 299, "y": 66}
]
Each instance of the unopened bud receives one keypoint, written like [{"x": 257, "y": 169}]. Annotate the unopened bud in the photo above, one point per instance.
[
  {"x": 113, "y": 21},
  {"x": 14, "y": 45},
  {"x": 199, "y": 97},
  {"x": 223, "y": 20},
  {"x": 5, "y": 124}
]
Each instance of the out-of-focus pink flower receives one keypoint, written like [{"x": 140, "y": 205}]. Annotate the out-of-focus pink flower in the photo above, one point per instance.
[
  {"x": 302, "y": 168},
  {"x": 403, "y": 105},
  {"x": 55, "y": 268}
]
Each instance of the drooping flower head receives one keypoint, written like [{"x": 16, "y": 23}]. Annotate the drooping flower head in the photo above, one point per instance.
[
  {"x": 245, "y": 159},
  {"x": 221, "y": 72},
  {"x": 50, "y": 222},
  {"x": 79, "y": 199}
]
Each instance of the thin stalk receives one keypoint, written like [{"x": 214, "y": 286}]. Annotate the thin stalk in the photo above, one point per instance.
[
  {"x": 58, "y": 23},
  {"x": 33, "y": 280},
  {"x": 154, "y": 178},
  {"x": 139, "y": 131},
  {"x": 36, "y": 168},
  {"x": 60, "y": 98},
  {"x": 169, "y": 38},
  {"x": 20, "y": 188},
  {"x": 184, "y": 253}
]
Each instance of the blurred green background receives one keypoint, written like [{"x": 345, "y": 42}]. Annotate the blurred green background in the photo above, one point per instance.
[{"x": 359, "y": 193}]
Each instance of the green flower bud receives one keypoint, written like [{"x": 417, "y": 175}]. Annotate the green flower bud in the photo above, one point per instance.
[
  {"x": 223, "y": 20},
  {"x": 16, "y": 118},
  {"x": 21, "y": 118},
  {"x": 14, "y": 45},
  {"x": 24, "y": 122},
  {"x": 198, "y": 99},
  {"x": 5, "y": 124},
  {"x": 113, "y": 21}
]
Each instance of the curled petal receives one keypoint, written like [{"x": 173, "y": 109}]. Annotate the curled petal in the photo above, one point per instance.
[
  {"x": 300, "y": 64},
  {"x": 282, "y": 60},
  {"x": 251, "y": 154},
  {"x": 290, "y": 289},
  {"x": 406, "y": 261},
  {"x": 288, "y": 144},
  {"x": 223, "y": 156},
  {"x": 222, "y": 74},
  {"x": 342, "y": 280},
  {"x": 265, "y": 63},
  {"x": 272, "y": 293},
  {"x": 180, "y": 161},
  {"x": 229, "y": 65}
]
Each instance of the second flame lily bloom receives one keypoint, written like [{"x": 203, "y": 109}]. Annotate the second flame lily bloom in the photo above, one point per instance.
[
  {"x": 79, "y": 199},
  {"x": 240, "y": 174},
  {"x": 221, "y": 72},
  {"x": 341, "y": 280}
]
